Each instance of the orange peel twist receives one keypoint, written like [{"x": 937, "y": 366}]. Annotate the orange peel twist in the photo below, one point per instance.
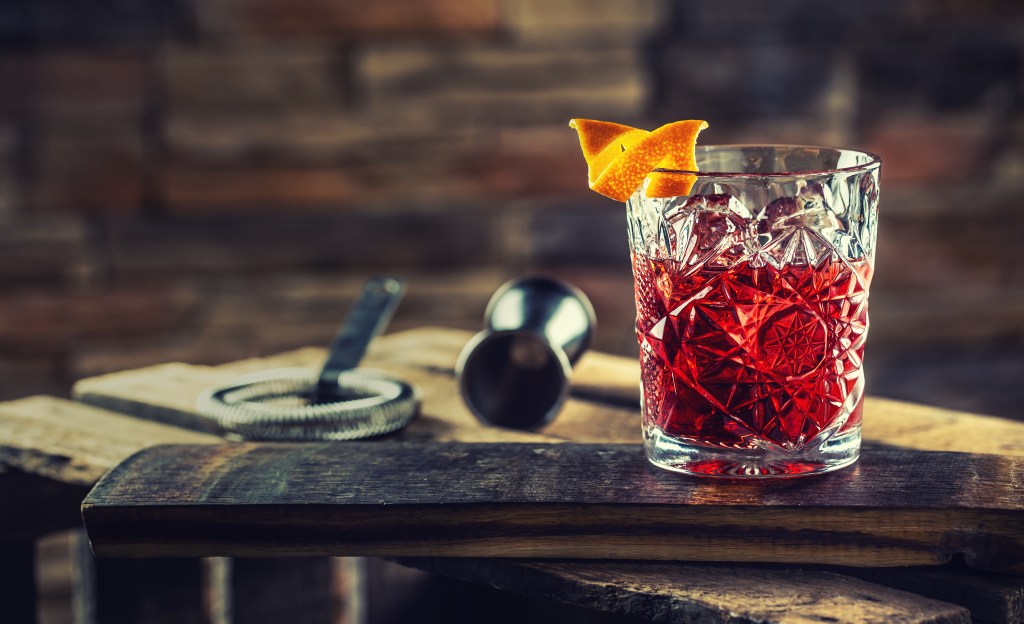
[{"x": 620, "y": 157}]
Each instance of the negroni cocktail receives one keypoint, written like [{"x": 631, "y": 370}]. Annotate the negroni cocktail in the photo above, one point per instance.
[
  {"x": 752, "y": 266},
  {"x": 751, "y": 357}
]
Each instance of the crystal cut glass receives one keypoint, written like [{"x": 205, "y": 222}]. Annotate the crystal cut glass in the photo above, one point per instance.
[{"x": 752, "y": 310}]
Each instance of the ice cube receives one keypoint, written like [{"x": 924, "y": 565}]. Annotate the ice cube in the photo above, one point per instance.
[
  {"x": 726, "y": 204},
  {"x": 781, "y": 208},
  {"x": 679, "y": 219},
  {"x": 711, "y": 228},
  {"x": 869, "y": 189},
  {"x": 646, "y": 226},
  {"x": 809, "y": 208},
  {"x": 778, "y": 215},
  {"x": 815, "y": 204},
  {"x": 811, "y": 198}
]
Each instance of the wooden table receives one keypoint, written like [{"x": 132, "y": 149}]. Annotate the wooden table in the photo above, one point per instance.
[{"x": 603, "y": 410}]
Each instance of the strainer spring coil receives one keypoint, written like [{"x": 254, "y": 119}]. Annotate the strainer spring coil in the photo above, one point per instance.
[{"x": 271, "y": 405}]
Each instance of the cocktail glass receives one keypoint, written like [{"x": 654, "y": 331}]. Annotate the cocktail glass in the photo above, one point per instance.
[{"x": 752, "y": 310}]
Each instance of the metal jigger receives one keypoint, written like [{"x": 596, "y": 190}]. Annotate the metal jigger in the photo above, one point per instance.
[{"x": 515, "y": 373}]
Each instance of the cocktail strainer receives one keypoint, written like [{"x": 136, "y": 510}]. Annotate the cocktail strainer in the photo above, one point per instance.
[{"x": 342, "y": 402}]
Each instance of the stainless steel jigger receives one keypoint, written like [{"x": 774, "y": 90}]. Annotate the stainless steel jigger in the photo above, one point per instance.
[{"x": 515, "y": 373}]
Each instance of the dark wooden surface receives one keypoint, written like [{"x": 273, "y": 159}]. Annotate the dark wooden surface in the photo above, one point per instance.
[
  {"x": 671, "y": 592},
  {"x": 604, "y": 406},
  {"x": 989, "y": 597},
  {"x": 52, "y": 451},
  {"x": 896, "y": 507},
  {"x": 603, "y": 409},
  {"x": 74, "y": 444}
]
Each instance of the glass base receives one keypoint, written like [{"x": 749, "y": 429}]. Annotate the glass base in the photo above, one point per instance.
[{"x": 686, "y": 457}]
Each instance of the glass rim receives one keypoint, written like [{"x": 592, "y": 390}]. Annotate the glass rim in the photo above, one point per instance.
[{"x": 874, "y": 162}]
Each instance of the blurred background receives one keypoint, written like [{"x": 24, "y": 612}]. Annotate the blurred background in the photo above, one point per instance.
[
  {"x": 206, "y": 180},
  {"x": 209, "y": 180}
]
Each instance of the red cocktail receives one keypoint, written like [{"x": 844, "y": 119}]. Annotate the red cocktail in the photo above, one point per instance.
[
  {"x": 751, "y": 356},
  {"x": 752, "y": 311}
]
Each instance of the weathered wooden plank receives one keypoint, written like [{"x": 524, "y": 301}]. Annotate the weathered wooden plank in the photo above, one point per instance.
[
  {"x": 18, "y": 594},
  {"x": 930, "y": 428},
  {"x": 55, "y": 451},
  {"x": 897, "y": 507},
  {"x": 991, "y": 598},
  {"x": 167, "y": 393},
  {"x": 609, "y": 389},
  {"x": 683, "y": 593},
  {"x": 604, "y": 408},
  {"x": 76, "y": 444},
  {"x": 58, "y": 449},
  {"x": 605, "y": 391},
  {"x": 436, "y": 597}
]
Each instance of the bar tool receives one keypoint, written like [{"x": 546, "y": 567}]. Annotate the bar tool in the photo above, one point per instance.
[
  {"x": 340, "y": 402},
  {"x": 515, "y": 373}
]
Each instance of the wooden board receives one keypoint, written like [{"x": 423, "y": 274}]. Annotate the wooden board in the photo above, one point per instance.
[
  {"x": 604, "y": 405},
  {"x": 603, "y": 408},
  {"x": 53, "y": 450},
  {"x": 897, "y": 507},
  {"x": 167, "y": 393},
  {"x": 76, "y": 444},
  {"x": 989, "y": 597},
  {"x": 670, "y": 592}
]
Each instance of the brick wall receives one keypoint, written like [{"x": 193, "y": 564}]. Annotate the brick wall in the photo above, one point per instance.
[{"x": 205, "y": 180}]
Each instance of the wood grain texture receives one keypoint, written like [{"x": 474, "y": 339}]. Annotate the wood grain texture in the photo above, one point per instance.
[
  {"x": 167, "y": 392},
  {"x": 896, "y": 507},
  {"x": 607, "y": 393},
  {"x": 54, "y": 450},
  {"x": 604, "y": 406},
  {"x": 76, "y": 444},
  {"x": 991, "y": 598},
  {"x": 684, "y": 593}
]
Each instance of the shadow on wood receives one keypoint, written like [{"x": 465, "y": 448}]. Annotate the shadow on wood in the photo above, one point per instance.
[{"x": 18, "y": 581}]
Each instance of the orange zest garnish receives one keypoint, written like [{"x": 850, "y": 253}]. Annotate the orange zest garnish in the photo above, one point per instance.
[{"x": 620, "y": 157}]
